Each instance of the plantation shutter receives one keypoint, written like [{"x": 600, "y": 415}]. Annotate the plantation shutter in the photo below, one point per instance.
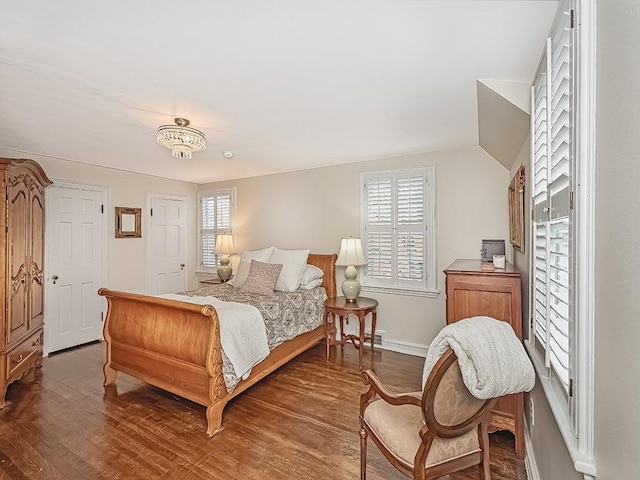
[
  {"x": 551, "y": 201},
  {"x": 411, "y": 228},
  {"x": 395, "y": 228},
  {"x": 379, "y": 229},
  {"x": 215, "y": 220},
  {"x": 539, "y": 159},
  {"x": 559, "y": 191}
]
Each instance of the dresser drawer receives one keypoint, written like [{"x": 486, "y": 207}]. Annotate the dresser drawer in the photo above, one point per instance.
[{"x": 22, "y": 357}]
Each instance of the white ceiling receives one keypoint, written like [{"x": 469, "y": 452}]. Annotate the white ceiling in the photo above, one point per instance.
[{"x": 286, "y": 85}]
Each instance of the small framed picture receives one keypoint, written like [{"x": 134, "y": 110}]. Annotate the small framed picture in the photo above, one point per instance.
[
  {"x": 128, "y": 222},
  {"x": 516, "y": 210}
]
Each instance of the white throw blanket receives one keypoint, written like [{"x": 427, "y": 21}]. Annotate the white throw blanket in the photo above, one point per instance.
[
  {"x": 492, "y": 359},
  {"x": 243, "y": 334}
]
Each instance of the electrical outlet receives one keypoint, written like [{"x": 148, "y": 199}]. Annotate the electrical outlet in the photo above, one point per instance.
[
  {"x": 532, "y": 415},
  {"x": 378, "y": 339}
]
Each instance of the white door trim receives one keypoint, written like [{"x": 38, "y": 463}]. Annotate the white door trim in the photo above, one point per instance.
[
  {"x": 70, "y": 184},
  {"x": 147, "y": 222}
]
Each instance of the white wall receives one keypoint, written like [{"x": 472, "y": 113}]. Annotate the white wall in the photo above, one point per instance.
[
  {"x": 617, "y": 284},
  {"x": 126, "y": 256},
  {"x": 315, "y": 208}
]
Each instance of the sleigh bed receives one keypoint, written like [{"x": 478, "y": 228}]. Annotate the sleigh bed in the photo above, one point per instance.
[{"x": 175, "y": 345}]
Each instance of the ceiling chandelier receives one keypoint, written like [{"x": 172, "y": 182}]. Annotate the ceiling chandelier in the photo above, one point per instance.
[{"x": 181, "y": 138}]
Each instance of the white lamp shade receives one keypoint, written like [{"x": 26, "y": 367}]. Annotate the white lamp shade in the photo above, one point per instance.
[
  {"x": 224, "y": 244},
  {"x": 351, "y": 253}
]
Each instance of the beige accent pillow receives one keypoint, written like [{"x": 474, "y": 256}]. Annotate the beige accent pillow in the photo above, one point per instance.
[
  {"x": 262, "y": 278},
  {"x": 242, "y": 272}
]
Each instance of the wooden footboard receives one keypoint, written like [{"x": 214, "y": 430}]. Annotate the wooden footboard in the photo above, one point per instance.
[
  {"x": 176, "y": 346},
  {"x": 172, "y": 345}
]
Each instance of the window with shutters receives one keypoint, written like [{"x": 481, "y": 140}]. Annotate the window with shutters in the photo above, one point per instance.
[
  {"x": 552, "y": 159},
  {"x": 217, "y": 210},
  {"x": 559, "y": 340},
  {"x": 396, "y": 228}
]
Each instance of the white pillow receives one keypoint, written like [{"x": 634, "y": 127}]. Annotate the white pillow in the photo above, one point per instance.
[
  {"x": 259, "y": 255},
  {"x": 310, "y": 276},
  {"x": 293, "y": 264},
  {"x": 312, "y": 284}
]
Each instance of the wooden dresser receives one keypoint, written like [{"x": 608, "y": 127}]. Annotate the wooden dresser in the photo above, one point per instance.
[
  {"x": 473, "y": 290},
  {"x": 22, "y": 184}
]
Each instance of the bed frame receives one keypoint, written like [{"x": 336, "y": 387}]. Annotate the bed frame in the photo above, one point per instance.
[{"x": 176, "y": 345}]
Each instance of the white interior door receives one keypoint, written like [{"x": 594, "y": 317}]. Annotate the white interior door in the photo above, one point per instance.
[
  {"x": 75, "y": 244},
  {"x": 168, "y": 245}
]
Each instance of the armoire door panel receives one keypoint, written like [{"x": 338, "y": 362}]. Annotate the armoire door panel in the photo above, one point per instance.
[
  {"x": 36, "y": 250},
  {"x": 16, "y": 313},
  {"x": 17, "y": 238}
]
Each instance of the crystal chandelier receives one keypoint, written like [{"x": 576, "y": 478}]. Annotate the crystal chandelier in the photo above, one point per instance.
[{"x": 181, "y": 138}]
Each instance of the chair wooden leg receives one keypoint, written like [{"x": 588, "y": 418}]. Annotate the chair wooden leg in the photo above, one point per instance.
[
  {"x": 363, "y": 454},
  {"x": 484, "y": 469}
]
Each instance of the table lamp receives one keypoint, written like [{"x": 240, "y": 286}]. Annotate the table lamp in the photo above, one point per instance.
[
  {"x": 224, "y": 246},
  {"x": 350, "y": 256}
]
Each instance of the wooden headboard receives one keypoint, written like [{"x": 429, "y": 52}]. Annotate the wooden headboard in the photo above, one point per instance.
[{"x": 326, "y": 263}]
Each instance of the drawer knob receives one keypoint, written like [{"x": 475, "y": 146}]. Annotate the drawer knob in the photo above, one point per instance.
[
  {"x": 17, "y": 359},
  {"x": 36, "y": 342}
]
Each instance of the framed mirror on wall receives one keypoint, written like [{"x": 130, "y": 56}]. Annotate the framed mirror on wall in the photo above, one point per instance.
[
  {"x": 516, "y": 210},
  {"x": 128, "y": 222}
]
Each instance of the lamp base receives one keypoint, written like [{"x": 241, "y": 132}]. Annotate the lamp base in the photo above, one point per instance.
[
  {"x": 351, "y": 286},
  {"x": 351, "y": 290},
  {"x": 224, "y": 270}
]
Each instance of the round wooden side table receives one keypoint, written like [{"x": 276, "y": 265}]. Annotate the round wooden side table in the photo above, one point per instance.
[{"x": 342, "y": 308}]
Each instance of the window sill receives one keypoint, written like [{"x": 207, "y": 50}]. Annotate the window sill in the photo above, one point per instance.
[
  {"x": 582, "y": 462},
  {"x": 401, "y": 291},
  {"x": 205, "y": 273}
]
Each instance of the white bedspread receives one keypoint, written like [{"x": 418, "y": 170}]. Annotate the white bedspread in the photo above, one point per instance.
[
  {"x": 243, "y": 334},
  {"x": 492, "y": 360}
]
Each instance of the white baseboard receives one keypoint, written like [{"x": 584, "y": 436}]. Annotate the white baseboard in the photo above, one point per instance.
[
  {"x": 399, "y": 346},
  {"x": 529, "y": 458},
  {"x": 416, "y": 349}
]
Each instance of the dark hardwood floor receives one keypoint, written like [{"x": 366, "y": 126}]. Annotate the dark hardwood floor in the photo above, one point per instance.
[{"x": 301, "y": 422}]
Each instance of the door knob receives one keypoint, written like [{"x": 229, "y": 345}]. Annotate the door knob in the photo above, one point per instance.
[{"x": 54, "y": 278}]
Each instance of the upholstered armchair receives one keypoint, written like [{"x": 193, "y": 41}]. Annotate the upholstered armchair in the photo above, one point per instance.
[{"x": 427, "y": 434}]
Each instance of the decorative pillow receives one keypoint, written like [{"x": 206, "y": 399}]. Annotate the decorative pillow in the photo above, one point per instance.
[
  {"x": 293, "y": 264},
  {"x": 262, "y": 255},
  {"x": 242, "y": 272},
  {"x": 311, "y": 277},
  {"x": 262, "y": 278}
]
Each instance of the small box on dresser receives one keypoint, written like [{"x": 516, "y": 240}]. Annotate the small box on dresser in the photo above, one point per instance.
[{"x": 472, "y": 291}]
